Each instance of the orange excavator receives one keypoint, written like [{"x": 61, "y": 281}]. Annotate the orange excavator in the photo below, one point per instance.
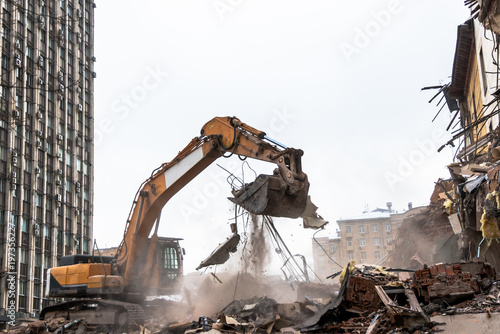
[{"x": 110, "y": 290}]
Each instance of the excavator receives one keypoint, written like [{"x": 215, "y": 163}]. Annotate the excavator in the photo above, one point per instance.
[{"x": 108, "y": 290}]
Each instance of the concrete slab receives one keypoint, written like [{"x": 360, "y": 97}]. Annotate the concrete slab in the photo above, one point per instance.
[{"x": 478, "y": 323}]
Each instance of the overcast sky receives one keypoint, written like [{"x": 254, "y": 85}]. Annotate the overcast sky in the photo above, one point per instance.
[{"x": 339, "y": 79}]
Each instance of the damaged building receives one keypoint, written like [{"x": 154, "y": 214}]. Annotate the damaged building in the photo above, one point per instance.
[{"x": 461, "y": 221}]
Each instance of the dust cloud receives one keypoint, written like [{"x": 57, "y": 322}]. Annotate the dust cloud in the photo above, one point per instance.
[{"x": 211, "y": 292}]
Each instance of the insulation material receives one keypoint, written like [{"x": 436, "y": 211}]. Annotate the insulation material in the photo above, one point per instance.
[
  {"x": 449, "y": 206},
  {"x": 349, "y": 267},
  {"x": 489, "y": 227},
  {"x": 489, "y": 222}
]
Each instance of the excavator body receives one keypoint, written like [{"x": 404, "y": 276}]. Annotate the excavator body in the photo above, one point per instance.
[{"x": 146, "y": 264}]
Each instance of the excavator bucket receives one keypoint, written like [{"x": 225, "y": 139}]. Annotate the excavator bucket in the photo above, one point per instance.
[{"x": 268, "y": 195}]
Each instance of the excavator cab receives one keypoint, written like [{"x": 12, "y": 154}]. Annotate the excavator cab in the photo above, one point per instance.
[
  {"x": 170, "y": 265},
  {"x": 162, "y": 266}
]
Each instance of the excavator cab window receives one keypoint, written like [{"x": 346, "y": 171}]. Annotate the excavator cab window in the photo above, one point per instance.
[
  {"x": 170, "y": 265},
  {"x": 170, "y": 262}
]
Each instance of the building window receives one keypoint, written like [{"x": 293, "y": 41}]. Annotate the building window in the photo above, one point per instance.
[
  {"x": 388, "y": 240},
  {"x": 27, "y": 162},
  {"x": 24, "y": 226},
  {"x": 29, "y": 52},
  {"x": 377, "y": 255},
  {"x": 20, "y": 17},
  {"x": 350, "y": 255},
  {"x": 332, "y": 248},
  {"x": 374, "y": 228},
  {"x": 26, "y": 195},
  {"x": 362, "y": 242},
  {"x": 22, "y": 287},
  {"x": 14, "y": 222},
  {"x": 349, "y": 242},
  {"x": 387, "y": 227},
  {"x": 361, "y": 228},
  {"x": 376, "y": 241},
  {"x": 363, "y": 256},
  {"x": 348, "y": 229},
  {"x": 47, "y": 262},
  {"x": 48, "y": 204},
  {"x": 5, "y": 62},
  {"x": 68, "y": 159}
]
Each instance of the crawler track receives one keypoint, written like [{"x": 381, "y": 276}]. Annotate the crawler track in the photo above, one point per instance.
[{"x": 99, "y": 312}]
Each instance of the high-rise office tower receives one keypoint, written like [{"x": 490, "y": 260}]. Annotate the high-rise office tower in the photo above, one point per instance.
[{"x": 46, "y": 143}]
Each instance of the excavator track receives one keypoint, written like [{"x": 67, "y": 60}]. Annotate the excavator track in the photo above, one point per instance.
[{"x": 99, "y": 312}]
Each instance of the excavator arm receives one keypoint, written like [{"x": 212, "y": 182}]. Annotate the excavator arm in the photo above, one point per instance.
[{"x": 282, "y": 194}]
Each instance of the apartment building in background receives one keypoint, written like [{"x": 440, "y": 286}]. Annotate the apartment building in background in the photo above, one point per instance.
[
  {"x": 326, "y": 255},
  {"x": 366, "y": 239},
  {"x": 46, "y": 137}
]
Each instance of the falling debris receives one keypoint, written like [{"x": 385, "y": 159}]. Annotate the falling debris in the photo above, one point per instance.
[
  {"x": 310, "y": 217},
  {"x": 221, "y": 254}
]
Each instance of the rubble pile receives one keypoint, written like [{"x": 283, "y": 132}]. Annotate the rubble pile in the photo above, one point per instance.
[
  {"x": 56, "y": 325},
  {"x": 453, "y": 282},
  {"x": 371, "y": 300}
]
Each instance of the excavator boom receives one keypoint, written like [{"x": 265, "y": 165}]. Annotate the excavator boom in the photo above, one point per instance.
[
  {"x": 283, "y": 194},
  {"x": 145, "y": 265}
]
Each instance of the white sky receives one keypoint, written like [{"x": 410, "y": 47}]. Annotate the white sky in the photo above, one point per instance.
[{"x": 339, "y": 79}]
